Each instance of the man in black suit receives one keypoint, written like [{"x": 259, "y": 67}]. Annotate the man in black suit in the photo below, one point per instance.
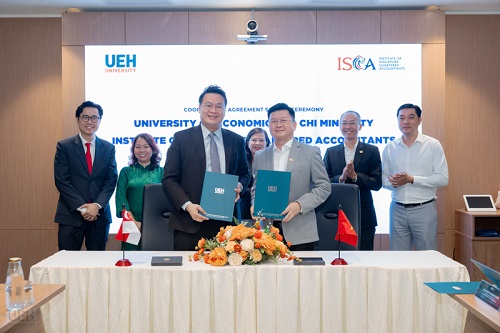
[
  {"x": 85, "y": 176},
  {"x": 357, "y": 163},
  {"x": 187, "y": 160}
]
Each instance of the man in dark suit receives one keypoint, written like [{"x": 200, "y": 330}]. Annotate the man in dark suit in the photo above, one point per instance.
[
  {"x": 85, "y": 176},
  {"x": 189, "y": 157},
  {"x": 357, "y": 163}
]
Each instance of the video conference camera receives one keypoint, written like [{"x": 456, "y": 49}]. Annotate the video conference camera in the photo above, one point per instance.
[
  {"x": 252, "y": 26},
  {"x": 252, "y": 34}
]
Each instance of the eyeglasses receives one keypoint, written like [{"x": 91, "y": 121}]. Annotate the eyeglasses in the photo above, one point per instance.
[
  {"x": 86, "y": 118},
  {"x": 352, "y": 123},
  {"x": 275, "y": 122},
  {"x": 210, "y": 107}
]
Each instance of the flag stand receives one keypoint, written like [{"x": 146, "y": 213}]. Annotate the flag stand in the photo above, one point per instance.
[
  {"x": 339, "y": 260},
  {"x": 123, "y": 262}
]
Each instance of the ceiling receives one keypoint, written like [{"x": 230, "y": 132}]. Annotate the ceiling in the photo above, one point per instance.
[{"x": 55, "y": 8}]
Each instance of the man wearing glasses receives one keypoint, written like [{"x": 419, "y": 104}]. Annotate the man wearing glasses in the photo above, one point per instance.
[
  {"x": 309, "y": 183},
  {"x": 355, "y": 162},
  {"x": 85, "y": 176},
  {"x": 206, "y": 147}
]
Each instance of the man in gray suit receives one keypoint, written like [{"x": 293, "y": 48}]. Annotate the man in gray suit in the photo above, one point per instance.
[{"x": 309, "y": 184}]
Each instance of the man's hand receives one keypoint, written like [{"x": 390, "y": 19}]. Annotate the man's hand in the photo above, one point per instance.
[
  {"x": 292, "y": 210},
  {"x": 195, "y": 210},
  {"x": 238, "y": 191},
  {"x": 91, "y": 212},
  {"x": 400, "y": 179},
  {"x": 350, "y": 173}
]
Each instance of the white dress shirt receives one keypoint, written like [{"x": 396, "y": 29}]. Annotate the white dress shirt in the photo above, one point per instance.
[
  {"x": 92, "y": 146},
  {"x": 424, "y": 160},
  {"x": 280, "y": 156}
]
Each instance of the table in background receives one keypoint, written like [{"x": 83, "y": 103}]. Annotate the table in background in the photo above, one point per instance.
[
  {"x": 377, "y": 292},
  {"x": 29, "y": 319},
  {"x": 481, "y": 316}
]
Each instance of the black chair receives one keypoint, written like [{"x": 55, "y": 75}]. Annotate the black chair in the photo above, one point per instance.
[
  {"x": 156, "y": 208},
  {"x": 346, "y": 195}
]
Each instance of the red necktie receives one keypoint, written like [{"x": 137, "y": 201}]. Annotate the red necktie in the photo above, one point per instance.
[{"x": 88, "y": 157}]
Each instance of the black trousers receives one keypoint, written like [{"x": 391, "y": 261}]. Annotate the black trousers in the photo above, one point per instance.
[{"x": 71, "y": 238}]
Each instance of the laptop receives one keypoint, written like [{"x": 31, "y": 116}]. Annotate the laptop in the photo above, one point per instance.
[
  {"x": 490, "y": 273},
  {"x": 479, "y": 203}
]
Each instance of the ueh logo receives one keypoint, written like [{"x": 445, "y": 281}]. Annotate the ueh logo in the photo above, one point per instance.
[
  {"x": 121, "y": 60},
  {"x": 359, "y": 63},
  {"x": 219, "y": 190},
  {"x": 272, "y": 188},
  {"x": 120, "y": 63}
]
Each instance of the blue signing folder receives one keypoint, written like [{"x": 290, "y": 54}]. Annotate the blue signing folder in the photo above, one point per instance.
[
  {"x": 217, "y": 196},
  {"x": 454, "y": 287},
  {"x": 272, "y": 189}
]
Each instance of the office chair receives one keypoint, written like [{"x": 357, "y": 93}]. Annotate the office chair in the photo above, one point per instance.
[
  {"x": 156, "y": 208},
  {"x": 346, "y": 195}
]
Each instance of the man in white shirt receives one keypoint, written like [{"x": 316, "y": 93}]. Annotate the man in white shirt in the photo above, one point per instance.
[
  {"x": 413, "y": 167},
  {"x": 309, "y": 183}
]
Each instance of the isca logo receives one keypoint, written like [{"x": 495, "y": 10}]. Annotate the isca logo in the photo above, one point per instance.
[
  {"x": 120, "y": 63},
  {"x": 359, "y": 63}
]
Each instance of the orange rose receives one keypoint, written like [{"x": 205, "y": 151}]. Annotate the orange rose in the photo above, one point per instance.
[
  {"x": 258, "y": 234},
  {"x": 279, "y": 237},
  {"x": 241, "y": 232},
  {"x": 230, "y": 246},
  {"x": 201, "y": 243},
  {"x": 266, "y": 242},
  {"x": 205, "y": 258},
  {"x": 237, "y": 248},
  {"x": 243, "y": 254},
  {"x": 196, "y": 257},
  {"x": 217, "y": 257},
  {"x": 256, "y": 256}
]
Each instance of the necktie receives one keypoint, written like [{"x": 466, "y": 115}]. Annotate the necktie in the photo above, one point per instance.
[
  {"x": 88, "y": 157},
  {"x": 214, "y": 154}
]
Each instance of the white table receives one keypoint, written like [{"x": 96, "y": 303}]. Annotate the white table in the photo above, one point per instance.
[{"x": 377, "y": 292}]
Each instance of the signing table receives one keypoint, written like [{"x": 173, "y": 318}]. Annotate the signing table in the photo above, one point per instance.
[{"x": 376, "y": 292}]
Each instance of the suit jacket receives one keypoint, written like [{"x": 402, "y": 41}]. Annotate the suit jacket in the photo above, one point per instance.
[
  {"x": 185, "y": 168},
  {"x": 309, "y": 185},
  {"x": 368, "y": 168},
  {"x": 76, "y": 187}
]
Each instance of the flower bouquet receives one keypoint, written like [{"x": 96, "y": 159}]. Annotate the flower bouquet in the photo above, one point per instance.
[{"x": 242, "y": 245}]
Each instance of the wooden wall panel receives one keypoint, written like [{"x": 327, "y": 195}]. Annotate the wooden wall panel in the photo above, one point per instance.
[
  {"x": 212, "y": 28},
  {"x": 291, "y": 27},
  {"x": 30, "y": 91},
  {"x": 31, "y": 245},
  {"x": 433, "y": 123},
  {"x": 412, "y": 26},
  {"x": 93, "y": 28},
  {"x": 160, "y": 28},
  {"x": 73, "y": 69},
  {"x": 472, "y": 107},
  {"x": 341, "y": 27}
]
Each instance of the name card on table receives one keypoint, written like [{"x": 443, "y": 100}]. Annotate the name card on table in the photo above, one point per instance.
[
  {"x": 489, "y": 293},
  {"x": 166, "y": 261},
  {"x": 217, "y": 196},
  {"x": 271, "y": 193}
]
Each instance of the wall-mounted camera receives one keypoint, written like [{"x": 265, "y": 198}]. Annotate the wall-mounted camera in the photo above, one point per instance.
[
  {"x": 252, "y": 36},
  {"x": 252, "y": 26}
]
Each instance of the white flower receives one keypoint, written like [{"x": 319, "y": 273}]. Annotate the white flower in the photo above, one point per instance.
[
  {"x": 235, "y": 259},
  {"x": 228, "y": 233},
  {"x": 247, "y": 245}
]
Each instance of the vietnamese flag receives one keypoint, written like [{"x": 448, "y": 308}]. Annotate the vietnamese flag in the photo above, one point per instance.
[
  {"x": 345, "y": 231},
  {"x": 128, "y": 231}
]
